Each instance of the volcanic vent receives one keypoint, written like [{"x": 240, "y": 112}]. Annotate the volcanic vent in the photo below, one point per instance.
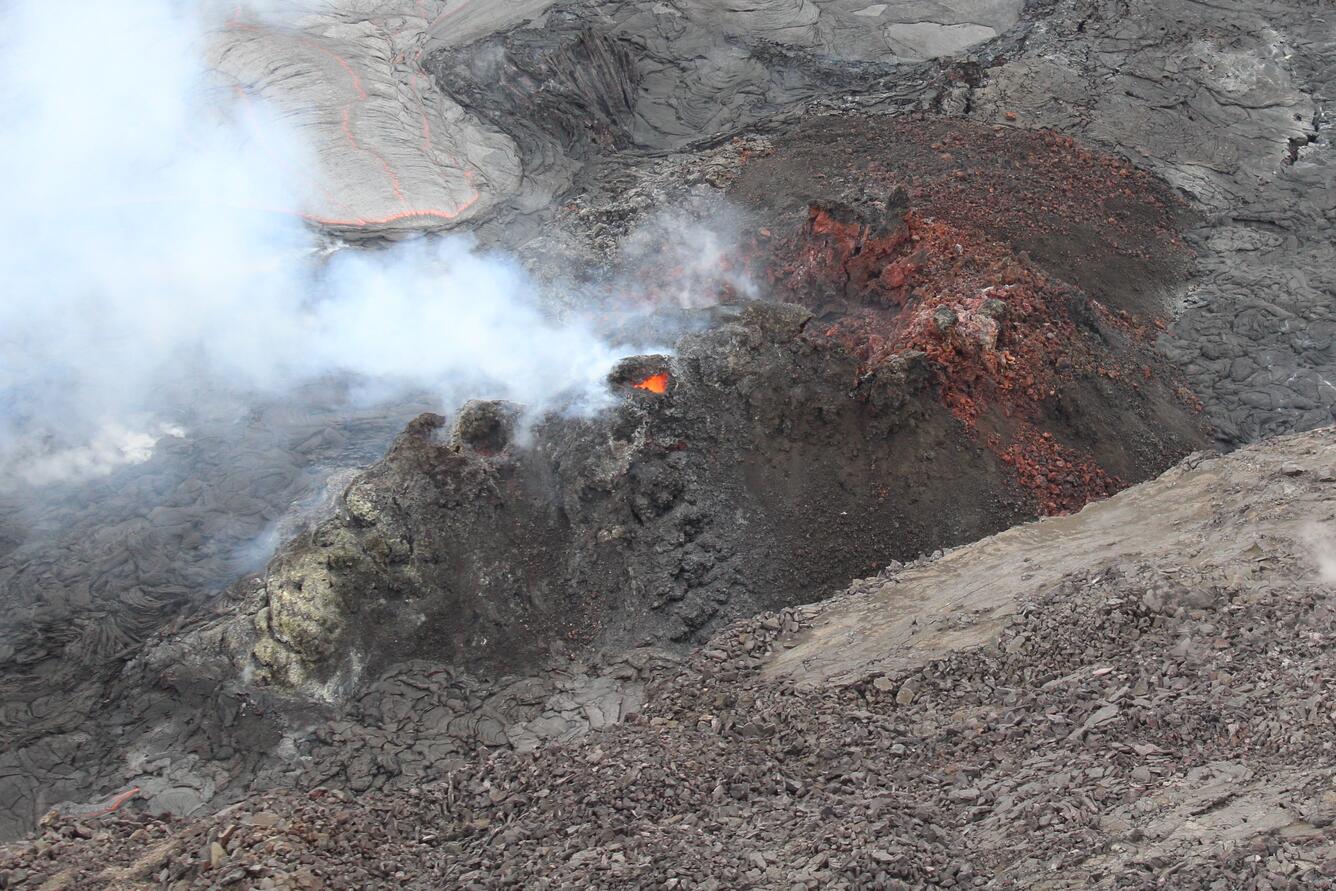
[
  {"x": 754, "y": 469},
  {"x": 939, "y": 385},
  {"x": 946, "y": 364}
]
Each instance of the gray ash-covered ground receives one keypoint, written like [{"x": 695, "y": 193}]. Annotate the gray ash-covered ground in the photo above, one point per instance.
[
  {"x": 92, "y": 572},
  {"x": 768, "y": 117}
]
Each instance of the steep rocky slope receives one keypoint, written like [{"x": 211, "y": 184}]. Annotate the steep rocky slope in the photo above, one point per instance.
[{"x": 1134, "y": 696}]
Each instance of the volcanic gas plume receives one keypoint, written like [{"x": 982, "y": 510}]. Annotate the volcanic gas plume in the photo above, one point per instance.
[{"x": 156, "y": 258}]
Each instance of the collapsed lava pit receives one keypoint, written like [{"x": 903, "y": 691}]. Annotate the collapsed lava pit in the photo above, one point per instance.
[{"x": 980, "y": 265}]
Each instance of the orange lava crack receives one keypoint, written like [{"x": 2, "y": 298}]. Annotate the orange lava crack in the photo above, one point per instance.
[{"x": 655, "y": 383}]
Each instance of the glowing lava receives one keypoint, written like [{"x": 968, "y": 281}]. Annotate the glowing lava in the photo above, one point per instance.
[{"x": 655, "y": 383}]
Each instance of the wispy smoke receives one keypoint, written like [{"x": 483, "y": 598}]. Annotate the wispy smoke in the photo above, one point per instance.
[
  {"x": 150, "y": 256},
  {"x": 110, "y": 447},
  {"x": 1321, "y": 545},
  {"x": 693, "y": 261}
]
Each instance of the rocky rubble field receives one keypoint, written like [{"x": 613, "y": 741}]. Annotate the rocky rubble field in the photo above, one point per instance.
[{"x": 1128, "y": 706}]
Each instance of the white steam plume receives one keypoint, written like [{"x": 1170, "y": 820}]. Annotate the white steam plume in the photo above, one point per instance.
[
  {"x": 696, "y": 257},
  {"x": 1321, "y": 545},
  {"x": 148, "y": 257}
]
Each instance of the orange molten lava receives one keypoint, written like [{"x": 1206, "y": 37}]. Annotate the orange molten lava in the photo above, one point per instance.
[{"x": 655, "y": 383}]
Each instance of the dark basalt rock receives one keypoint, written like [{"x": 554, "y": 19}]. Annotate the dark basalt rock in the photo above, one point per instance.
[{"x": 766, "y": 471}]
